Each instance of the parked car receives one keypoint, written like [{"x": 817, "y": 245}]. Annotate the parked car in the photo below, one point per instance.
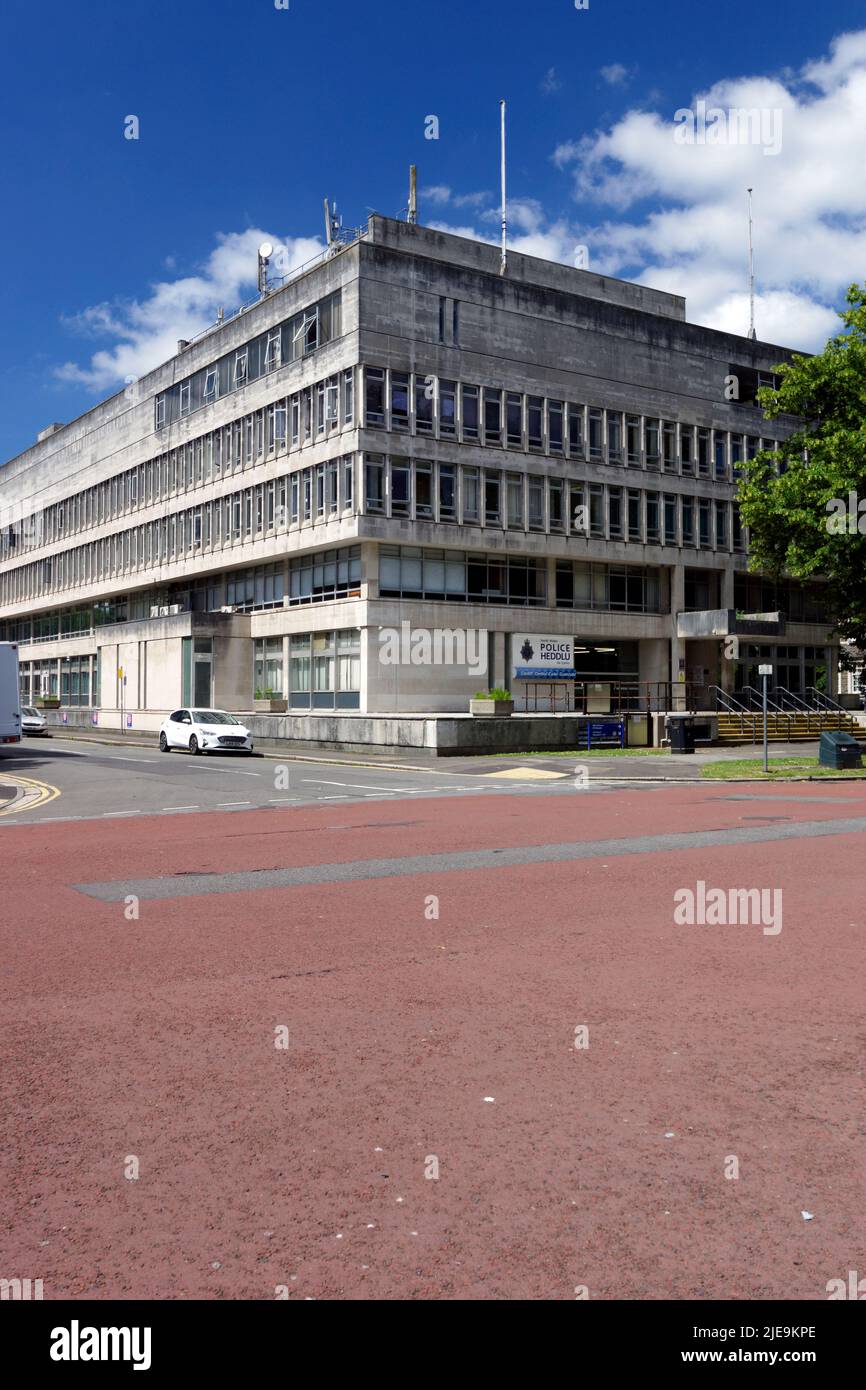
[
  {"x": 204, "y": 731},
  {"x": 32, "y": 722}
]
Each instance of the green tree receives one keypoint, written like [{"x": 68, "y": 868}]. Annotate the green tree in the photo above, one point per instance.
[{"x": 799, "y": 519}]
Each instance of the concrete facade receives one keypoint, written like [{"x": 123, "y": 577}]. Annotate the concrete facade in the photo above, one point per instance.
[{"x": 400, "y": 436}]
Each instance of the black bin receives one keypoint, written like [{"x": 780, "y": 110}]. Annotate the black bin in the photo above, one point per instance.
[
  {"x": 839, "y": 750},
  {"x": 681, "y": 731}
]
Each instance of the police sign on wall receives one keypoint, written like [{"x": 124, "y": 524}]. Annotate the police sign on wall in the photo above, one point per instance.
[{"x": 537, "y": 656}]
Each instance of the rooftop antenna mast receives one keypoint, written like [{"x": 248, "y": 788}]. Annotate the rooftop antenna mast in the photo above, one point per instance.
[
  {"x": 332, "y": 224},
  {"x": 266, "y": 250},
  {"x": 503, "y": 261},
  {"x": 412, "y": 216},
  {"x": 752, "y": 334}
]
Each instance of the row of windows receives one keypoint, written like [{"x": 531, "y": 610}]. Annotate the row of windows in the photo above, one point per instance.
[
  {"x": 412, "y": 572},
  {"x": 288, "y": 341},
  {"x": 324, "y": 669},
  {"x": 309, "y": 495},
  {"x": 427, "y": 491},
  {"x": 314, "y": 413},
  {"x": 424, "y": 404}
]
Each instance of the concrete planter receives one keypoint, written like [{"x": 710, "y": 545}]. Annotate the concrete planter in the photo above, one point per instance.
[
  {"x": 270, "y": 706},
  {"x": 491, "y": 709},
  {"x": 46, "y": 702}
]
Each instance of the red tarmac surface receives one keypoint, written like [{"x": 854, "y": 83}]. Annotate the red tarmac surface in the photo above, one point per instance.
[{"x": 305, "y": 1167}]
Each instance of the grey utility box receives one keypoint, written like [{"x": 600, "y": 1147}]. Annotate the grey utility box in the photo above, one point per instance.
[{"x": 839, "y": 750}]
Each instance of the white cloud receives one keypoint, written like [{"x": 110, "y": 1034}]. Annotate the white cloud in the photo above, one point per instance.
[
  {"x": 809, "y": 200},
  {"x": 615, "y": 74},
  {"x": 437, "y": 193},
  {"x": 550, "y": 83},
  {"x": 145, "y": 331}
]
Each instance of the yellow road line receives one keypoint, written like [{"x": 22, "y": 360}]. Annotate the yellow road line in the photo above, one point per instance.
[{"x": 33, "y": 794}]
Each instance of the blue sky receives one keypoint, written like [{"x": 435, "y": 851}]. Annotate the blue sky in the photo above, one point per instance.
[{"x": 249, "y": 115}]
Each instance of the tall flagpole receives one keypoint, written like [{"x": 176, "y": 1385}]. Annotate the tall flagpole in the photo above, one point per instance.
[
  {"x": 752, "y": 333},
  {"x": 503, "y": 259}
]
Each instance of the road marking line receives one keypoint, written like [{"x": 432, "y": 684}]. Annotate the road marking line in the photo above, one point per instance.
[
  {"x": 233, "y": 803},
  {"x": 180, "y": 808}
]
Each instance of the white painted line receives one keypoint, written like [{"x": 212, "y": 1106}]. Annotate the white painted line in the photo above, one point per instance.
[
  {"x": 334, "y": 798},
  {"x": 235, "y": 772},
  {"x": 282, "y": 800},
  {"x": 233, "y": 803},
  {"x": 320, "y": 782},
  {"x": 108, "y": 814},
  {"x": 180, "y": 808}
]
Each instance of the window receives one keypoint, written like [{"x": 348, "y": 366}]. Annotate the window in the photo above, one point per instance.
[
  {"x": 554, "y": 427},
  {"x": 491, "y": 497},
  {"x": 535, "y": 492},
  {"x": 653, "y": 445},
  {"x": 305, "y": 337},
  {"x": 670, "y": 447},
  {"x": 703, "y": 453},
  {"x": 514, "y": 485},
  {"x": 514, "y": 419},
  {"x": 424, "y": 389},
  {"x": 400, "y": 478},
  {"x": 722, "y": 525},
  {"x": 721, "y": 455},
  {"x": 687, "y": 449},
  {"x": 632, "y": 440},
  {"x": 596, "y": 509},
  {"x": 635, "y": 529},
  {"x": 210, "y": 384},
  {"x": 447, "y": 496},
  {"x": 374, "y": 385},
  {"x": 556, "y": 504},
  {"x": 268, "y": 667},
  {"x": 670, "y": 519},
  {"x": 470, "y": 494},
  {"x": 614, "y": 513},
  {"x": 374, "y": 483},
  {"x": 596, "y": 436},
  {"x": 614, "y": 437},
  {"x": 348, "y": 483},
  {"x": 348, "y": 396},
  {"x": 272, "y": 351},
  {"x": 688, "y": 511},
  {"x": 424, "y": 491},
  {"x": 296, "y": 420},
  {"x": 159, "y": 416},
  {"x": 575, "y": 431},
  {"x": 399, "y": 400},
  {"x": 704, "y": 523},
  {"x": 241, "y": 368},
  {"x": 332, "y": 402},
  {"x": 185, "y": 402},
  {"x": 442, "y": 303},
  {"x": 447, "y": 417},
  {"x": 535, "y": 421},
  {"x": 469, "y": 400},
  {"x": 455, "y": 323},
  {"x": 652, "y": 517},
  {"x": 492, "y": 416}
]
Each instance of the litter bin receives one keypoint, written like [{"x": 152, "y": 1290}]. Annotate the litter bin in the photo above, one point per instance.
[
  {"x": 839, "y": 750},
  {"x": 681, "y": 732}
]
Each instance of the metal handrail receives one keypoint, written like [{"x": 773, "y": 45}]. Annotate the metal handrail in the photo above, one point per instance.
[
  {"x": 726, "y": 702},
  {"x": 824, "y": 701}
]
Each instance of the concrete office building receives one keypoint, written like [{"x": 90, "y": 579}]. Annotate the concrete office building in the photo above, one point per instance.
[{"x": 398, "y": 435}]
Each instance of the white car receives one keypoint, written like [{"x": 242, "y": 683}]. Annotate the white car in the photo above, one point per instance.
[
  {"x": 32, "y": 722},
  {"x": 204, "y": 731}
]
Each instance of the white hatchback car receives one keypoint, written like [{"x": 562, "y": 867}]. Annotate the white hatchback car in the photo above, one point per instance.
[
  {"x": 204, "y": 731},
  {"x": 32, "y": 722}
]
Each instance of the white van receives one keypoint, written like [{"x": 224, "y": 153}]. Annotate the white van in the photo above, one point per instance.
[{"x": 10, "y": 697}]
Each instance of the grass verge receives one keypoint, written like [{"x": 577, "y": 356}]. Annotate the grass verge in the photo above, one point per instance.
[{"x": 780, "y": 768}]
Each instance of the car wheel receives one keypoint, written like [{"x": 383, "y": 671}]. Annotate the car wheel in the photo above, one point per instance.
[
  {"x": 193, "y": 745},
  {"x": 163, "y": 744}
]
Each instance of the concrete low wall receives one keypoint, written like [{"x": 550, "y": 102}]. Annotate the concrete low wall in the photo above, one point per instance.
[{"x": 433, "y": 736}]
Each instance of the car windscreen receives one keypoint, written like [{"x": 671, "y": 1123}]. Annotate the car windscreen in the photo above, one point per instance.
[
  {"x": 29, "y": 713},
  {"x": 212, "y": 716}
]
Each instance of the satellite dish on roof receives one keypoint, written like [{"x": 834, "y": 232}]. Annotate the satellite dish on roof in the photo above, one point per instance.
[{"x": 266, "y": 250}]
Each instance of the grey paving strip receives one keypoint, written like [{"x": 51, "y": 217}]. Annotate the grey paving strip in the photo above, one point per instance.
[
  {"x": 194, "y": 885},
  {"x": 827, "y": 800}
]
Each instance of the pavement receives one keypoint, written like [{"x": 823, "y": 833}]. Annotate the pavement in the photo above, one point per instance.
[{"x": 436, "y": 1042}]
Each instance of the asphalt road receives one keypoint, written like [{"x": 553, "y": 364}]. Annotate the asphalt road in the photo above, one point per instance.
[{"x": 108, "y": 780}]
